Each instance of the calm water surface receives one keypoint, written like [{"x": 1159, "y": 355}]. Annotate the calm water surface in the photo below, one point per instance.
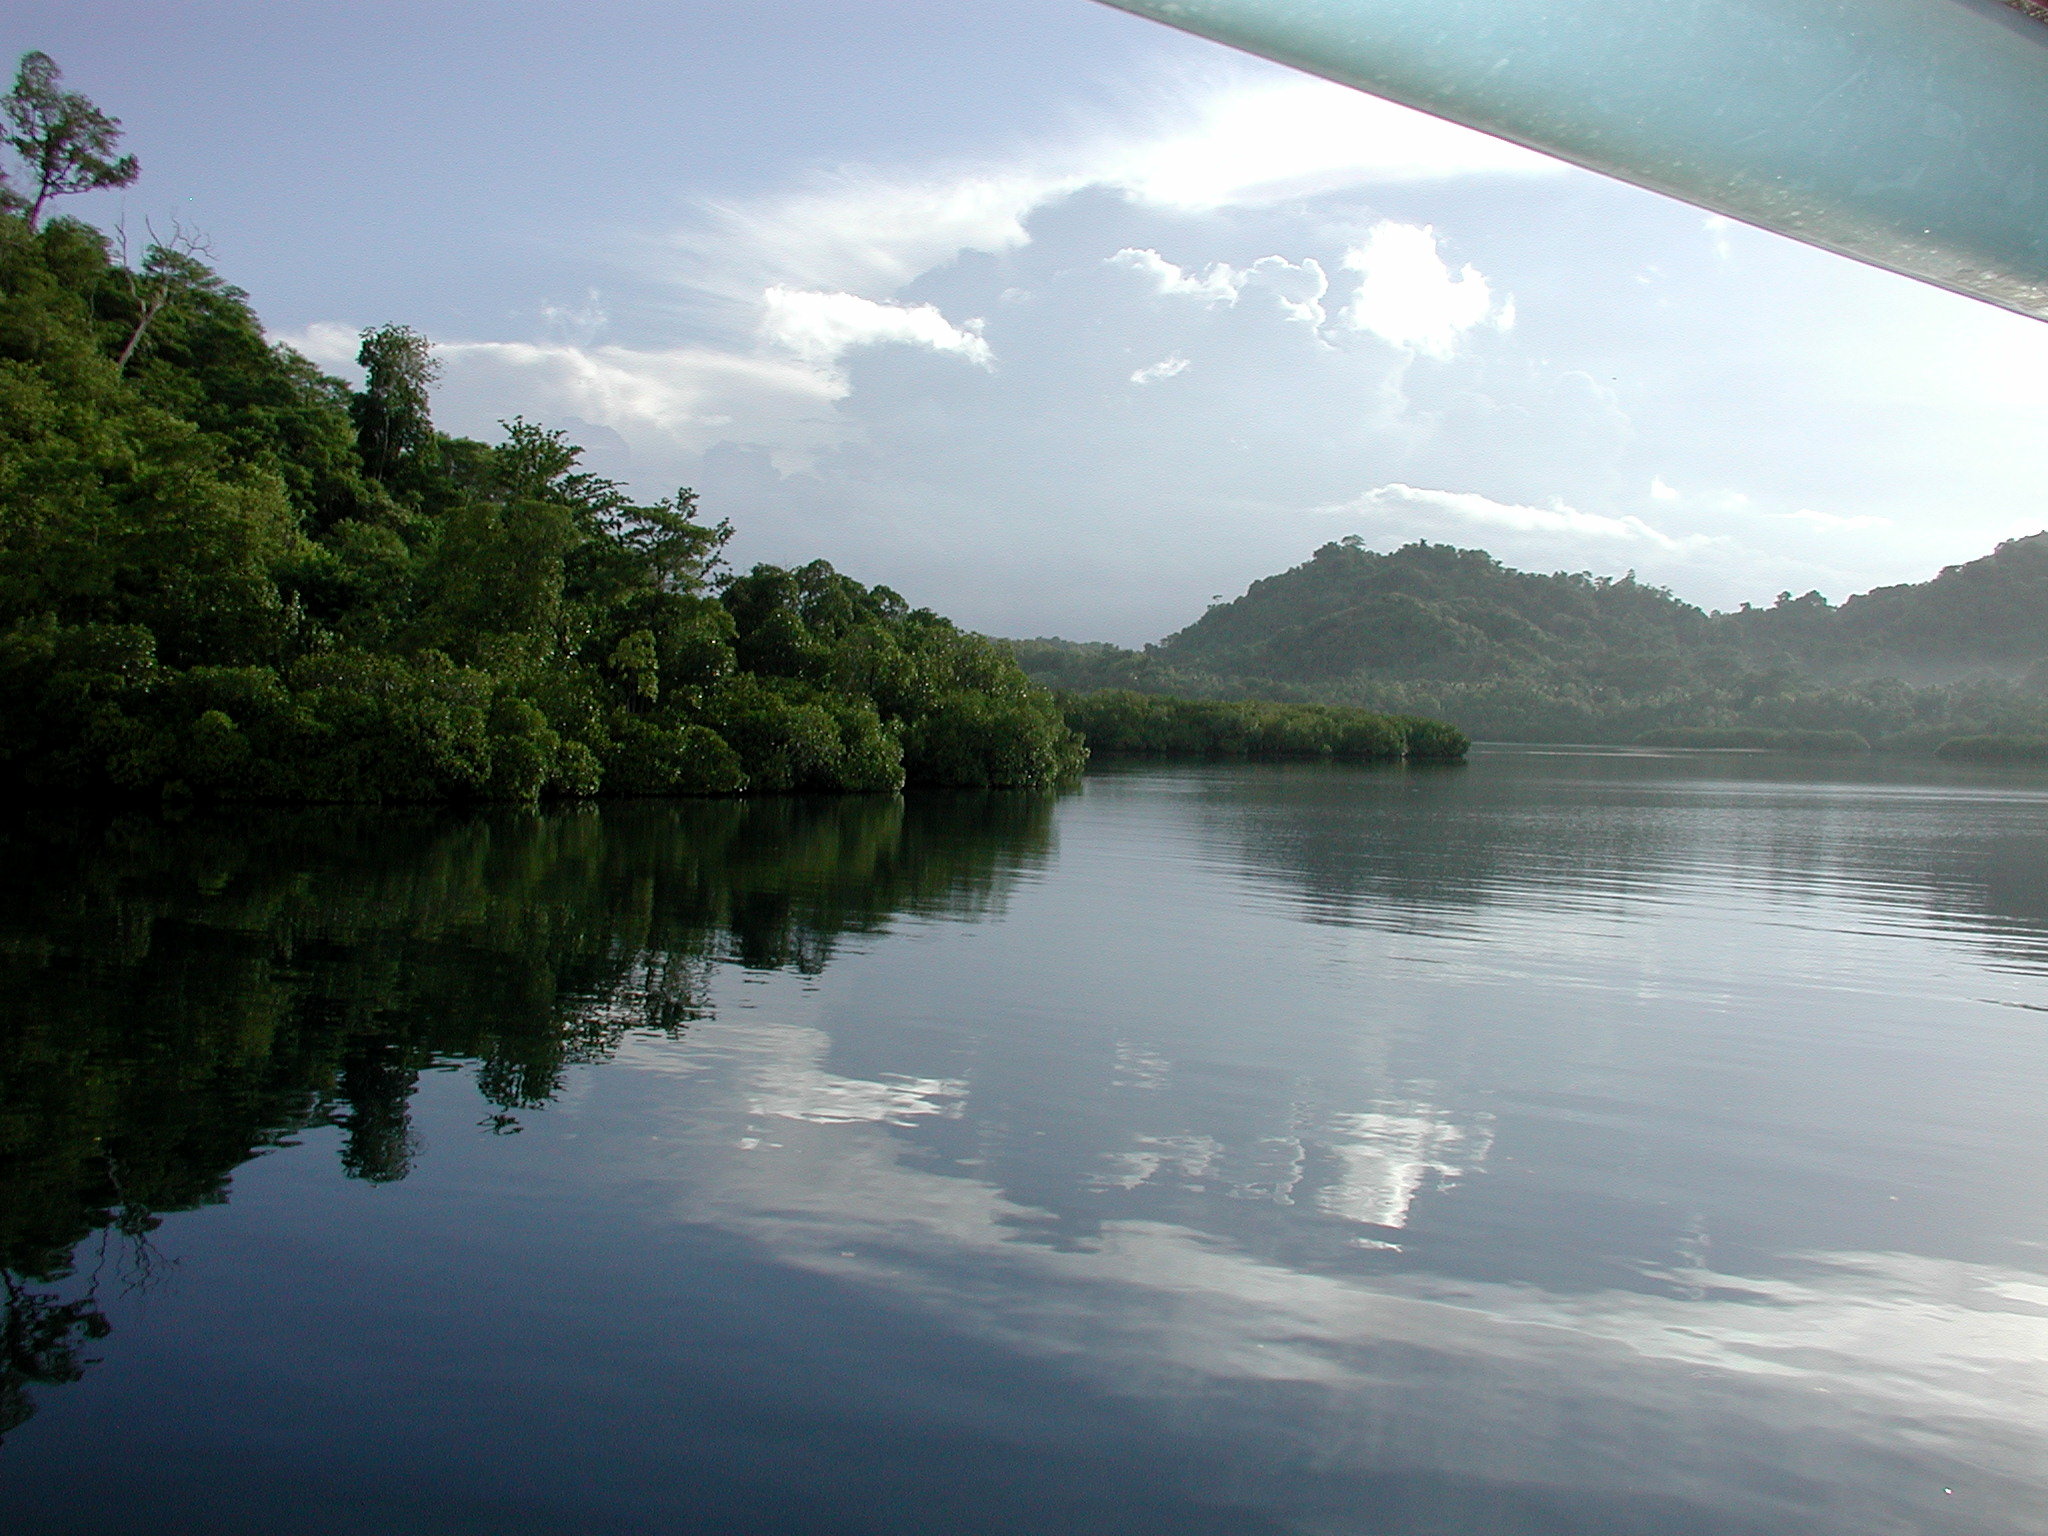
[{"x": 1568, "y": 1143}]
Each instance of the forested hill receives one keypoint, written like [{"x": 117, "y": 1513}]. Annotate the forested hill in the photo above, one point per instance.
[
  {"x": 1988, "y": 614},
  {"x": 1429, "y": 611},
  {"x": 1517, "y": 654},
  {"x": 226, "y": 575}
]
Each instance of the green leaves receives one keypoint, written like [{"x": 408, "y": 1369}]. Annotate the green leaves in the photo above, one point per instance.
[
  {"x": 1117, "y": 720},
  {"x": 66, "y": 143},
  {"x": 652, "y": 759},
  {"x": 979, "y": 741},
  {"x": 394, "y": 421},
  {"x": 961, "y": 708},
  {"x": 225, "y": 576}
]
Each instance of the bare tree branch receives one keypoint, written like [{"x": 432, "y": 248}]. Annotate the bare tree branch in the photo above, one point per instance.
[{"x": 168, "y": 269}]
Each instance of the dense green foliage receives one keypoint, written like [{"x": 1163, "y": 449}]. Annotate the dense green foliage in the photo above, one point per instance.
[
  {"x": 65, "y": 143},
  {"x": 1997, "y": 749},
  {"x": 225, "y": 575},
  {"x": 1514, "y": 655},
  {"x": 1124, "y": 721},
  {"x": 187, "y": 992}
]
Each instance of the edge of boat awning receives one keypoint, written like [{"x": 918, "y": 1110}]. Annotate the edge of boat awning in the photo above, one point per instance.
[{"x": 1911, "y": 134}]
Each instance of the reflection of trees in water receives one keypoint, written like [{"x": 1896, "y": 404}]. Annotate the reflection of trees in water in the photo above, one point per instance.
[
  {"x": 44, "y": 1332},
  {"x": 1400, "y": 846},
  {"x": 185, "y": 994},
  {"x": 42, "y": 1343}
]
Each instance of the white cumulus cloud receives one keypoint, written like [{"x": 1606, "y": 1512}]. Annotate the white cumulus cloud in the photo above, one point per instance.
[
  {"x": 776, "y": 289},
  {"x": 326, "y": 342},
  {"x": 1409, "y": 298},
  {"x": 1218, "y": 284},
  {"x": 685, "y": 397},
  {"x": 1409, "y": 501},
  {"x": 1165, "y": 368},
  {"x": 863, "y": 230},
  {"x": 780, "y": 396},
  {"x": 821, "y": 328},
  {"x": 1659, "y": 491},
  {"x": 1240, "y": 143},
  {"x": 1299, "y": 287}
]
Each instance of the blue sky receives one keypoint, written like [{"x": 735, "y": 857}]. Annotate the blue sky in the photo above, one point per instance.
[{"x": 1051, "y": 318}]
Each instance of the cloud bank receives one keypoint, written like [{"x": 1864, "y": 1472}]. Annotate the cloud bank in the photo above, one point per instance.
[
  {"x": 1170, "y": 347},
  {"x": 821, "y": 328},
  {"x": 785, "y": 285},
  {"x": 1413, "y": 507}
]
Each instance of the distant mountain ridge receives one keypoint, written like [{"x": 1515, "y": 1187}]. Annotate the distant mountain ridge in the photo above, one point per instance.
[{"x": 1508, "y": 653}]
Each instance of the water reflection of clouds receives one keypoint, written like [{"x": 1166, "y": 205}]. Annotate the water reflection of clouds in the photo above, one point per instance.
[
  {"x": 1139, "y": 1068},
  {"x": 1374, "y": 1162},
  {"x": 1738, "y": 1021},
  {"x": 1883, "y": 1373},
  {"x": 1370, "y": 1164},
  {"x": 782, "y": 1076},
  {"x": 1389, "y": 1152},
  {"x": 1187, "y": 1158}
]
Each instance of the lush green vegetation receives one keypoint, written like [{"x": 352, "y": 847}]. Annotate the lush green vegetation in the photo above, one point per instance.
[
  {"x": 225, "y": 575},
  {"x": 1997, "y": 749},
  {"x": 1125, "y": 721},
  {"x": 1514, "y": 655}
]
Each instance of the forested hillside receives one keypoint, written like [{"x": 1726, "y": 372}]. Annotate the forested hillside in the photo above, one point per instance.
[
  {"x": 1431, "y": 611},
  {"x": 224, "y": 574},
  {"x": 1988, "y": 615},
  {"x": 1510, "y": 654}
]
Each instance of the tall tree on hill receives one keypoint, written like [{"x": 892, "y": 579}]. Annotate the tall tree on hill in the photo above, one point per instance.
[
  {"x": 392, "y": 415},
  {"x": 66, "y": 142}
]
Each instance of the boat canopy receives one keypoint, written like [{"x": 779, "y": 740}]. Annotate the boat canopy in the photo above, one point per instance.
[{"x": 1911, "y": 134}]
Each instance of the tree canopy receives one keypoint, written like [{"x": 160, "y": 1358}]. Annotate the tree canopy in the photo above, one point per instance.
[{"x": 65, "y": 142}]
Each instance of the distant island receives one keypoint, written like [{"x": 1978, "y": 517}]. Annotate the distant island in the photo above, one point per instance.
[
  {"x": 225, "y": 575},
  {"x": 1957, "y": 662}
]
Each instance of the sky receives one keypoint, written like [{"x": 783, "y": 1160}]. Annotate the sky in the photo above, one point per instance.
[{"x": 1051, "y": 318}]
